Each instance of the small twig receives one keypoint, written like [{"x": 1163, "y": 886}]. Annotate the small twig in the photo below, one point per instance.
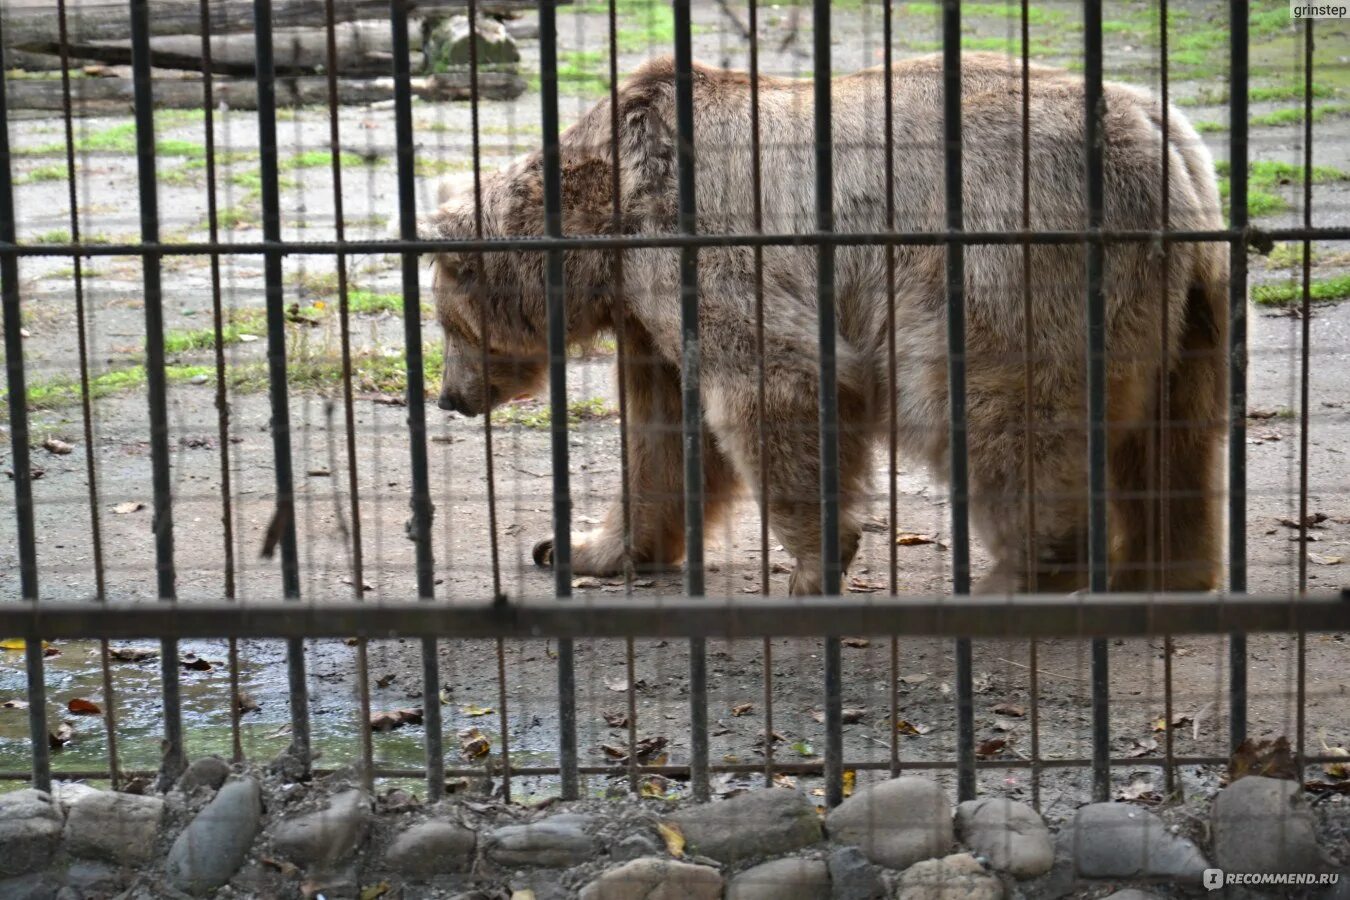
[{"x": 1041, "y": 671}]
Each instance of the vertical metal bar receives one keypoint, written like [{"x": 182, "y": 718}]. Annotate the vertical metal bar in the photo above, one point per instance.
[
  {"x": 86, "y": 400},
  {"x": 1237, "y": 361},
  {"x": 19, "y": 436},
  {"x": 1305, "y": 385},
  {"x": 1028, "y": 402},
  {"x": 222, "y": 395},
  {"x": 174, "y": 759},
  {"x": 416, "y": 393},
  {"x": 557, "y": 383},
  {"x": 761, "y": 383},
  {"x": 829, "y": 402},
  {"x": 1096, "y": 385},
  {"x": 956, "y": 380},
  {"x": 348, "y": 399},
  {"x": 892, "y": 420},
  {"x": 693, "y": 414},
  {"x": 284, "y": 521},
  {"x": 1161, "y": 519}
]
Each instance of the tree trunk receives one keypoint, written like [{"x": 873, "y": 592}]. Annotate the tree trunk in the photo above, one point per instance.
[
  {"x": 113, "y": 96},
  {"x": 32, "y": 24}
]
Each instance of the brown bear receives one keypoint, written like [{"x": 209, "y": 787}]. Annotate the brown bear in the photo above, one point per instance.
[{"x": 492, "y": 308}]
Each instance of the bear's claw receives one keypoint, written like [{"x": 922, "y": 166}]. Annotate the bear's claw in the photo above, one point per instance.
[{"x": 543, "y": 553}]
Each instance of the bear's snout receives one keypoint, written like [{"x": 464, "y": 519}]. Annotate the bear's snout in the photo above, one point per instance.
[{"x": 455, "y": 403}]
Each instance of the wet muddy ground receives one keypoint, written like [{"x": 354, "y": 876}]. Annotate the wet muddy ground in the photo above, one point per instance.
[{"x": 115, "y": 318}]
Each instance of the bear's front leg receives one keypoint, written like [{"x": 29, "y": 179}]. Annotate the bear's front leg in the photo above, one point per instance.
[{"x": 655, "y": 478}]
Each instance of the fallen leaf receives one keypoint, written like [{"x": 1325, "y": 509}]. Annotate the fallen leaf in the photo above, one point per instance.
[
  {"x": 1329, "y": 787},
  {"x": 61, "y": 736},
  {"x": 1269, "y": 758},
  {"x": 856, "y": 642},
  {"x": 78, "y": 706},
  {"x": 388, "y": 721},
  {"x": 281, "y": 865},
  {"x": 385, "y": 680},
  {"x": 57, "y": 446},
  {"x": 129, "y": 506},
  {"x": 586, "y": 582},
  {"x": 1141, "y": 791},
  {"x": 473, "y": 744},
  {"x": 1323, "y": 559},
  {"x": 370, "y": 892},
  {"x": 15, "y": 704},
  {"x": 986, "y": 749},
  {"x": 245, "y": 703},
  {"x": 193, "y": 662},
  {"x": 818, "y": 715},
  {"x": 653, "y": 787},
  {"x": 1010, "y": 709},
  {"x": 472, "y": 710},
  {"x": 1143, "y": 748},
  {"x": 347, "y": 580},
  {"x": 851, "y": 714},
  {"x": 615, "y": 719},
  {"x": 863, "y": 586},
  {"x": 673, "y": 837},
  {"x": 650, "y": 745},
  {"x": 904, "y": 726},
  {"x": 802, "y": 748},
  {"x": 1178, "y": 721},
  {"x": 984, "y": 682},
  {"x": 1336, "y": 769},
  {"x": 913, "y": 538},
  {"x": 782, "y": 779},
  {"x": 914, "y": 679},
  {"x": 1262, "y": 413},
  {"x": 132, "y": 654},
  {"x": 850, "y": 782},
  {"x": 617, "y": 685},
  {"x": 1312, "y": 520},
  {"x": 741, "y": 709},
  {"x": 614, "y": 752}
]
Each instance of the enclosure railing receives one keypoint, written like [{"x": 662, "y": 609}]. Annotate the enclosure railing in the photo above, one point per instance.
[{"x": 961, "y": 617}]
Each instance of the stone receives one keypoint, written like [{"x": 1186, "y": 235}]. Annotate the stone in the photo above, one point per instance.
[
  {"x": 653, "y": 878},
  {"x": 852, "y": 877},
  {"x": 447, "y": 44},
  {"x": 30, "y": 831},
  {"x": 211, "y": 849},
  {"x": 432, "y": 848},
  {"x": 1117, "y": 840},
  {"x": 956, "y": 877},
  {"x": 766, "y": 822},
  {"x": 66, "y": 794},
  {"x": 1263, "y": 825},
  {"x": 208, "y": 771},
  {"x": 91, "y": 877},
  {"x": 634, "y": 845},
  {"x": 558, "y": 842},
  {"x": 324, "y": 837},
  {"x": 1010, "y": 835},
  {"x": 34, "y": 886},
  {"x": 117, "y": 828},
  {"x": 782, "y": 879},
  {"x": 895, "y": 823}
]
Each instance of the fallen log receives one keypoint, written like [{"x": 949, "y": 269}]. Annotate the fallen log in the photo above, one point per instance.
[
  {"x": 32, "y": 24},
  {"x": 113, "y": 96}
]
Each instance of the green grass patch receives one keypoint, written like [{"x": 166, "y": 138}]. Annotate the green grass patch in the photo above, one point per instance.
[
  {"x": 1036, "y": 15},
  {"x": 1293, "y": 115},
  {"x": 53, "y": 172},
  {"x": 1266, "y": 176},
  {"x": 65, "y": 391},
  {"x": 1287, "y": 255},
  {"x": 539, "y": 416},
  {"x": 310, "y": 159},
  {"x": 1321, "y": 290},
  {"x": 1206, "y": 127},
  {"x": 424, "y": 167}
]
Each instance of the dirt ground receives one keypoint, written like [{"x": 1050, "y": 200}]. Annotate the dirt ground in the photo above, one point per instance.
[{"x": 113, "y": 296}]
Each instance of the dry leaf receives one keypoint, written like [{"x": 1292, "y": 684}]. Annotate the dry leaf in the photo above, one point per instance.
[
  {"x": 991, "y": 747},
  {"x": 18, "y": 644},
  {"x": 863, "y": 586},
  {"x": 673, "y": 837},
  {"x": 473, "y": 744},
  {"x": 1323, "y": 559},
  {"x": 615, "y": 719},
  {"x": 1312, "y": 520},
  {"x": 1141, "y": 791},
  {"x": 850, "y": 782},
  {"x": 132, "y": 654},
  {"x": 245, "y": 703},
  {"x": 741, "y": 709},
  {"x": 913, "y": 538},
  {"x": 904, "y": 726},
  {"x": 617, "y": 685},
  {"x": 281, "y": 865},
  {"x": 653, "y": 787},
  {"x": 914, "y": 679},
  {"x": 1010, "y": 709},
  {"x": 1178, "y": 721},
  {"x": 385, "y": 680},
  {"x": 370, "y": 892},
  {"x": 57, "y": 446},
  {"x": 1271, "y": 759},
  {"x": 473, "y": 710},
  {"x": 783, "y": 780},
  {"x": 129, "y": 506},
  {"x": 81, "y": 707},
  {"x": 1143, "y": 748},
  {"x": 14, "y": 704},
  {"x": 851, "y": 714},
  {"x": 1336, "y": 769},
  {"x": 193, "y": 662},
  {"x": 856, "y": 642},
  {"x": 614, "y": 752},
  {"x": 61, "y": 736}
]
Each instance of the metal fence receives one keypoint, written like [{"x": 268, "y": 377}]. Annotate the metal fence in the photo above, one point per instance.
[{"x": 441, "y": 617}]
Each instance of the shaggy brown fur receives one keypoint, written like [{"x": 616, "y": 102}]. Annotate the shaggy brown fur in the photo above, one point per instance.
[{"x": 1186, "y": 366}]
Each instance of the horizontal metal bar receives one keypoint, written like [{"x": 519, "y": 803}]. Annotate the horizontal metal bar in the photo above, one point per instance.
[
  {"x": 601, "y": 242},
  {"x": 682, "y": 772},
  {"x": 1027, "y": 616}
]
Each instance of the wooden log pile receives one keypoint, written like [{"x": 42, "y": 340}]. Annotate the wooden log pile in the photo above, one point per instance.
[{"x": 98, "y": 44}]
